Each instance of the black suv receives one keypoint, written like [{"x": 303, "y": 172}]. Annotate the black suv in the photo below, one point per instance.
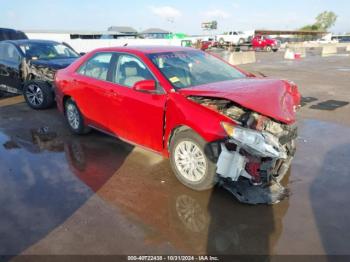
[{"x": 28, "y": 67}]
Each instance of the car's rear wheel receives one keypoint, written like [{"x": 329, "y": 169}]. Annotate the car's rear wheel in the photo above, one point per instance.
[
  {"x": 191, "y": 162},
  {"x": 241, "y": 41},
  {"x": 38, "y": 94},
  {"x": 74, "y": 118}
]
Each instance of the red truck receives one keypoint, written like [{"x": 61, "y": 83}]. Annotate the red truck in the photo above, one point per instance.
[{"x": 265, "y": 43}]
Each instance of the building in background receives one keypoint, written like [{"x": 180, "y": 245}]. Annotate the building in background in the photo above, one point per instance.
[
  {"x": 155, "y": 33},
  {"x": 126, "y": 31}
]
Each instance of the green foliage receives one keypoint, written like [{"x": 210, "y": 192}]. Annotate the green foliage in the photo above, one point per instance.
[
  {"x": 313, "y": 27},
  {"x": 324, "y": 21}
]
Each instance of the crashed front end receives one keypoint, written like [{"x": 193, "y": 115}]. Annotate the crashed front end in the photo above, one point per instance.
[
  {"x": 31, "y": 70},
  {"x": 256, "y": 154}
]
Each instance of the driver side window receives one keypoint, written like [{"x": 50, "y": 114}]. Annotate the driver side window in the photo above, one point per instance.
[{"x": 130, "y": 70}]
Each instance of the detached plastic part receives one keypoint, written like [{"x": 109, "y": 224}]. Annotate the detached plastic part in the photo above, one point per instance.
[
  {"x": 246, "y": 193},
  {"x": 231, "y": 164}
]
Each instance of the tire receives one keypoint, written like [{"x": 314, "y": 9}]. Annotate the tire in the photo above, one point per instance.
[
  {"x": 221, "y": 41},
  {"x": 268, "y": 48},
  {"x": 38, "y": 94},
  {"x": 204, "y": 176},
  {"x": 75, "y": 119},
  {"x": 241, "y": 41}
]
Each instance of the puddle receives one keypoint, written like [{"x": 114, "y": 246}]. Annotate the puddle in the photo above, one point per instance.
[
  {"x": 344, "y": 69},
  {"x": 114, "y": 197}
]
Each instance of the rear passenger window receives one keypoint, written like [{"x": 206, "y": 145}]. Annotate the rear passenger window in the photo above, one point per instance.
[{"x": 97, "y": 66}]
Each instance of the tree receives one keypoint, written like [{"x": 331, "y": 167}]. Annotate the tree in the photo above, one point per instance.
[
  {"x": 324, "y": 21},
  {"x": 313, "y": 27}
]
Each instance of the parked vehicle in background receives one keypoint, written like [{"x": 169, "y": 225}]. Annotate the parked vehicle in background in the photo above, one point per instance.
[
  {"x": 11, "y": 34},
  {"x": 233, "y": 38},
  {"x": 266, "y": 43},
  {"x": 204, "y": 45},
  {"x": 341, "y": 38},
  {"x": 214, "y": 121},
  {"x": 28, "y": 67}
]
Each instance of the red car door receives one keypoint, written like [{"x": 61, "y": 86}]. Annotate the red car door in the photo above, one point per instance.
[
  {"x": 136, "y": 116},
  {"x": 95, "y": 91}
]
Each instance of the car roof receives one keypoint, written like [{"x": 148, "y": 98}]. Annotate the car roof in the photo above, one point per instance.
[
  {"x": 146, "y": 49},
  {"x": 28, "y": 41}
]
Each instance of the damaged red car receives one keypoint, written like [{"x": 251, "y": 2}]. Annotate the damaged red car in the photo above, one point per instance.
[{"x": 216, "y": 123}]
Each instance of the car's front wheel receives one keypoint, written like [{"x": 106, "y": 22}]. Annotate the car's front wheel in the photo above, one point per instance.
[
  {"x": 268, "y": 48},
  {"x": 191, "y": 162},
  {"x": 38, "y": 94},
  {"x": 74, "y": 118}
]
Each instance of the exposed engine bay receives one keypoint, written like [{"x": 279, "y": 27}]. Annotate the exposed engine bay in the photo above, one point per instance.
[{"x": 257, "y": 154}]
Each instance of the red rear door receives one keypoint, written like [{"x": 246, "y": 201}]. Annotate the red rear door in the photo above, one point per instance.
[{"x": 95, "y": 89}]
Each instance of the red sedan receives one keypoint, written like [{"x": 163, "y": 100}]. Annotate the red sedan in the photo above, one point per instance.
[{"x": 211, "y": 119}]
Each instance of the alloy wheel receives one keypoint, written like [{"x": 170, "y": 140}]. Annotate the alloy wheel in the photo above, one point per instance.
[
  {"x": 73, "y": 116},
  {"x": 35, "y": 95},
  {"x": 190, "y": 161}
]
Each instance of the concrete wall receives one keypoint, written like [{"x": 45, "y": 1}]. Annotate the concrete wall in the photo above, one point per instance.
[
  {"x": 87, "y": 45},
  {"x": 239, "y": 58},
  {"x": 82, "y": 45},
  {"x": 329, "y": 50}
]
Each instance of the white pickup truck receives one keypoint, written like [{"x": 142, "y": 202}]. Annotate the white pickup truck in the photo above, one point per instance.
[{"x": 233, "y": 38}]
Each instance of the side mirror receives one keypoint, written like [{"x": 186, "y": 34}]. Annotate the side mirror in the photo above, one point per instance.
[
  {"x": 82, "y": 53},
  {"x": 145, "y": 86}
]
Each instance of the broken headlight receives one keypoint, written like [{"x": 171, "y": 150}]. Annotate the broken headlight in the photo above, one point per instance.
[{"x": 257, "y": 143}]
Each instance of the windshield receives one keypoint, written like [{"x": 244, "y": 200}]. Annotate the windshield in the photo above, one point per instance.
[
  {"x": 191, "y": 68},
  {"x": 47, "y": 51}
]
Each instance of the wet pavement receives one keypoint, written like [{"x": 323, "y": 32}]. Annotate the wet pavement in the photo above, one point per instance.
[{"x": 64, "y": 194}]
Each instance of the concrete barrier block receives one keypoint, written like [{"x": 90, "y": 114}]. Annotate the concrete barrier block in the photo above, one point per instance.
[
  {"x": 297, "y": 48},
  {"x": 239, "y": 58},
  {"x": 329, "y": 50},
  {"x": 301, "y": 51},
  {"x": 348, "y": 48},
  {"x": 289, "y": 54}
]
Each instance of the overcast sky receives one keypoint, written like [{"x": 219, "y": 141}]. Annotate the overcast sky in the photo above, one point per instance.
[{"x": 178, "y": 16}]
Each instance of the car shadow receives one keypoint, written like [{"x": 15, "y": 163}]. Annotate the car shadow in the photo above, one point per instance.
[
  {"x": 240, "y": 229},
  {"x": 329, "y": 196}
]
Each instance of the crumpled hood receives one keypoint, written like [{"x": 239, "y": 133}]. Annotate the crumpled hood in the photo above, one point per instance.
[
  {"x": 270, "y": 97},
  {"x": 55, "y": 64}
]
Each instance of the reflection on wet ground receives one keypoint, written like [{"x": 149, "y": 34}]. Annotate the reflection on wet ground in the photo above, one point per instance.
[{"x": 96, "y": 195}]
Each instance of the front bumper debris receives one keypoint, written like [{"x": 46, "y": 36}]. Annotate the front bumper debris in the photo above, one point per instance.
[
  {"x": 248, "y": 194},
  {"x": 254, "y": 178}
]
